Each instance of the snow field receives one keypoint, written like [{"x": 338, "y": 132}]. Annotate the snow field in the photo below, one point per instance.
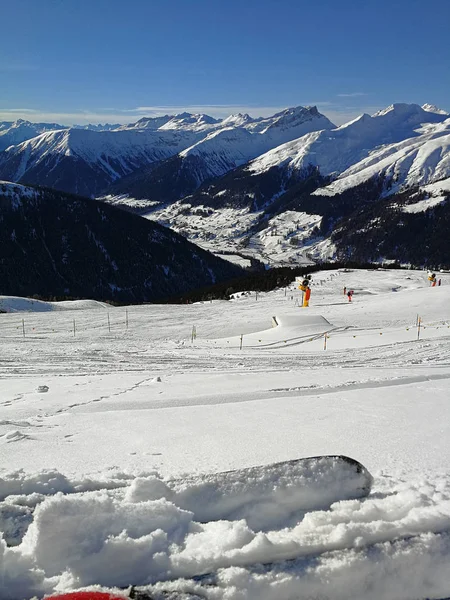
[{"x": 108, "y": 476}]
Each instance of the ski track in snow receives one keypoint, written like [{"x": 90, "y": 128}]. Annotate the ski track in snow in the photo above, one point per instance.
[{"x": 97, "y": 430}]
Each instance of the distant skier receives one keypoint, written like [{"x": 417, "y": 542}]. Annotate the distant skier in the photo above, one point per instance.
[
  {"x": 349, "y": 295},
  {"x": 439, "y": 282},
  {"x": 345, "y": 291}
]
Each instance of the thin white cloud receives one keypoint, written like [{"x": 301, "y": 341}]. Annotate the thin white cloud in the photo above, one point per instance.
[
  {"x": 69, "y": 118},
  {"x": 214, "y": 110},
  {"x": 131, "y": 115},
  {"x": 352, "y": 95},
  {"x": 18, "y": 110},
  {"x": 337, "y": 114}
]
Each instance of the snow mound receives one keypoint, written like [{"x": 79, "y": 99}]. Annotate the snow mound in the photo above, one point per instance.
[
  {"x": 50, "y": 482},
  {"x": 117, "y": 539},
  {"x": 268, "y": 496},
  {"x": 154, "y": 531},
  {"x": 11, "y": 304},
  {"x": 287, "y": 329}
]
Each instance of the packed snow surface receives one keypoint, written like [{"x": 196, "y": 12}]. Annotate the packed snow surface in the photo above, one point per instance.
[{"x": 116, "y": 437}]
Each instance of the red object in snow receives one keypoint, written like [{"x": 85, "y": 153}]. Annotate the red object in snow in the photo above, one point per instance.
[{"x": 87, "y": 596}]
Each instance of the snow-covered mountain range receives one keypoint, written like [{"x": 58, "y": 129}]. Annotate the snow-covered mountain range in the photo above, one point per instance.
[
  {"x": 283, "y": 189},
  {"x": 332, "y": 152},
  {"x": 278, "y": 206},
  {"x": 86, "y": 162},
  {"x": 418, "y": 160},
  {"x": 229, "y": 144},
  {"x": 16, "y": 132}
]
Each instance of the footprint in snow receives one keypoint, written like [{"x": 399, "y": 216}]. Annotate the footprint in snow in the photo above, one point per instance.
[{"x": 16, "y": 436}]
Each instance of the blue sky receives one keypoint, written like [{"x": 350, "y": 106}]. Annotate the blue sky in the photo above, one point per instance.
[{"x": 115, "y": 60}]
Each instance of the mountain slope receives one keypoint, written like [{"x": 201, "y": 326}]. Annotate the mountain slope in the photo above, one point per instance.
[
  {"x": 327, "y": 152},
  {"x": 334, "y": 151},
  {"x": 284, "y": 205},
  {"x": 16, "y": 132},
  {"x": 180, "y": 122},
  {"x": 84, "y": 161},
  {"x": 411, "y": 227},
  {"x": 56, "y": 244},
  {"x": 219, "y": 152},
  {"x": 416, "y": 161}
]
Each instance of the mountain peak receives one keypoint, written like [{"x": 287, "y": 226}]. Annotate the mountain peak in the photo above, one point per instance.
[
  {"x": 434, "y": 109},
  {"x": 408, "y": 115},
  {"x": 400, "y": 109},
  {"x": 312, "y": 110},
  {"x": 295, "y": 116},
  {"x": 297, "y": 110},
  {"x": 237, "y": 120}
]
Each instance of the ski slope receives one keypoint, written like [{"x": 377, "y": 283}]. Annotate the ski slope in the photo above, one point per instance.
[{"x": 104, "y": 408}]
